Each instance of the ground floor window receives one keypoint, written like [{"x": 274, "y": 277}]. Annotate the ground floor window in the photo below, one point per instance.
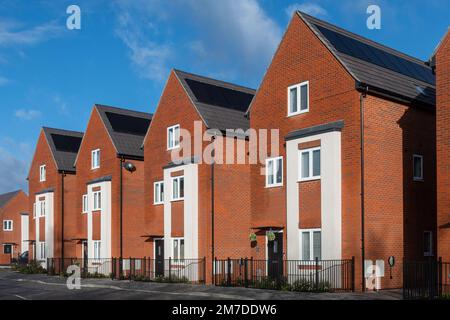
[
  {"x": 97, "y": 249},
  {"x": 42, "y": 251},
  {"x": 311, "y": 244},
  {"x": 428, "y": 243},
  {"x": 178, "y": 249},
  {"x": 7, "y": 249}
]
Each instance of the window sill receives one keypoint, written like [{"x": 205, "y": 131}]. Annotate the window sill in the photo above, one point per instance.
[
  {"x": 174, "y": 148},
  {"x": 158, "y": 204},
  {"x": 297, "y": 113},
  {"x": 274, "y": 186},
  {"x": 177, "y": 200},
  {"x": 309, "y": 179}
]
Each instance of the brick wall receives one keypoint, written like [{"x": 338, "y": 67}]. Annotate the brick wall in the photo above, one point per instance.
[{"x": 443, "y": 146}]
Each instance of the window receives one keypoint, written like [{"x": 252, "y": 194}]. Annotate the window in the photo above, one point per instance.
[
  {"x": 7, "y": 225},
  {"x": 309, "y": 164},
  {"x": 42, "y": 251},
  {"x": 96, "y": 159},
  {"x": 177, "y": 188},
  {"x": 97, "y": 249},
  {"x": 298, "y": 99},
  {"x": 158, "y": 197},
  {"x": 42, "y": 173},
  {"x": 97, "y": 201},
  {"x": 85, "y": 203},
  {"x": 428, "y": 243},
  {"x": 34, "y": 210},
  {"x": 173, "y": 137},
  {"x": 41, "y": 208},
  {"x": 7, "y": 249},
  {"x": 418, "y": 167},
  {"x": 274, "y": 172},
  {"x": 178, "y": 249},
  {"x": 311, "y": 244}
]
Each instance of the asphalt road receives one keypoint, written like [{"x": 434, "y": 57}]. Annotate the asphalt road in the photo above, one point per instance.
[{"x": 16, "y": 286}]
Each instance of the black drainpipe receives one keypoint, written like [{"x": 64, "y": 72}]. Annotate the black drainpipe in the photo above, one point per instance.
[
  {"x": 363, "y": 253},
  {"x": 212, "y": 213},
  {"x": 63, "y": 175},
  {"x": 121, "y": 210}
]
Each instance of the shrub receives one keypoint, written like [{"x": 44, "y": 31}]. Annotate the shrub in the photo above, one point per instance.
[{"x": 30, "y": 268}]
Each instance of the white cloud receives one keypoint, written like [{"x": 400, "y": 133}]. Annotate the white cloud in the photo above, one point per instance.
[
  {"x": 13, "y": 33},
  {"x": 223, "y": 37},
  {"x": 13, "y": 172},
  {"x": 27, "y": 114},
  {"x": 307, "y": 7}
]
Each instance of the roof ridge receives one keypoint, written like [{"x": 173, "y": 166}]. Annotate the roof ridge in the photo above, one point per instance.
[
  {"x": 366, "y": 40},
  {"x": 98, "y": 105},
  {"x": 227, "y": 83},
  {"x": 63, "y": 130}
]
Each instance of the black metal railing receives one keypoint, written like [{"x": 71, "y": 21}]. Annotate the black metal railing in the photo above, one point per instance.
[
  {"x": 426, "y": 279},
  {"x": 293, "y": 275},
  {"x": 141, "y": 269}
]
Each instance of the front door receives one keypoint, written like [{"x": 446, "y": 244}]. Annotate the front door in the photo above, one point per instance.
[
  {"x": 85, "y": 256},
  {"x": 275, "y": 257},
  {"x": 159, "y": 258}
]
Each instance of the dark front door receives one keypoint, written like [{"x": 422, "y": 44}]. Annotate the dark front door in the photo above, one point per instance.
[
  {"x": 159, "y": 258},
  {"x": 85, "y": 256},
  {"x": 275, "y": 256}
]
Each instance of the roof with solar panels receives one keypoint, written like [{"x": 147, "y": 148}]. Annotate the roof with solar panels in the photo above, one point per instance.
[{"x": 383, "y": 69}]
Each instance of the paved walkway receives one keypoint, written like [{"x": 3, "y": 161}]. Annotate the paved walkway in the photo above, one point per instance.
[{"x": 16, "y": 286}]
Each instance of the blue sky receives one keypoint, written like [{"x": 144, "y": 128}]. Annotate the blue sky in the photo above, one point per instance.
[{"x": 52, "y": 76}]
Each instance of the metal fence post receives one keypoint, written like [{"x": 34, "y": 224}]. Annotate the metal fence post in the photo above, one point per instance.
[
  {"x": 353, "y": 274},
  {"x": 317, "y": 274},
  {"x": 440, "y": 279},
  {"x": 170, "y": 269},
  {"x": 229, "y": 272},
  {"x": 215, "y": 272},
  {"x": 246, "y": 272},
  {"x": 204, "y": 271}
]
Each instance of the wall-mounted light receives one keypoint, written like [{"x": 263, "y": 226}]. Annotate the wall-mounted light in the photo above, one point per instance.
[{"x": 129, "y": 166}]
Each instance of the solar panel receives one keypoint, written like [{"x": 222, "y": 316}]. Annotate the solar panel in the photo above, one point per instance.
[
  {"x": 128, "y": 124},
  {"x": 366, "y": 52},
  {"x": 220, "y": 96},
  {"x": 66, "y": 143}
]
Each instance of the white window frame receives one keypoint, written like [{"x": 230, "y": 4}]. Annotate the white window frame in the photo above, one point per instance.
[
  {"x": 95, "y": 159},
  {"x": 85, "y": 203},
  {"x": 311, "y": 243},
  {"x": 42, "y": 250},
  {"x": 179, "y": 198},
  {"x": 97, "y": 205},
  {"x": 428, "y": 253},
  {"x": 178, "y": 239},
  {"x": 34, "y": 210},
  {"x": 299, "y": 99},
  {"x": 8, "y": 245},
  {"x": 158, "y": 198},
  {"x": 42, "y": 173},
  {"x": 311, "y": 169},
  {"x": 274, "y": 168},
  {"x": 421, "y": 167},
  {"x": 174, "y": 144},
  {"x": 42, "y": 208},
  {"x": 8, "y": 225},
  {"x": 97, "y": 245}
]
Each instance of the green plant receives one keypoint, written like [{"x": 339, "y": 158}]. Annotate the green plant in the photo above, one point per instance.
[{"x": 30, "y": 268}]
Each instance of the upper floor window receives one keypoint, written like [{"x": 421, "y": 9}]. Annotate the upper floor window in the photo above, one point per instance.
[
  {"x": 177, "y": 188},
  {"x": 298, "y": 98},
  {"x": 96, "y": 159},
  {"x": 428, "y": 243},
  {"x": 274, "y": 172},
  {"x": 158, "y": 197},
  {"x": 42, "y": 173},
  {"x": 97, "y": 201},
  {"x": 173, "y": 137},
  {"x": 85, "y": 203},
  {"x": 418, "y": 167},
  {"x": 34, "y": 210},
  {"x": 7, "y": 225},
  {"x": 309, "y": 164},
  {"x": 311, "y": 244}
]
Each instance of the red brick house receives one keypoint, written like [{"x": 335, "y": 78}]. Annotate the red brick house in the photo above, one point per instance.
[
  {"x": 14, "y": 229},
  {"x": 355, "y": 176},
  {"x": 51, "y": 183},
  {"x": 195, "y": 209},
  {"x": 441, "y": 62},
  {"x": 110, "y": 185}
]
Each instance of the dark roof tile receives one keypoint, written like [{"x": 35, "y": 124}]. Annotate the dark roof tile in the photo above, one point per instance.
[{"x": 64, "y": 146}]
